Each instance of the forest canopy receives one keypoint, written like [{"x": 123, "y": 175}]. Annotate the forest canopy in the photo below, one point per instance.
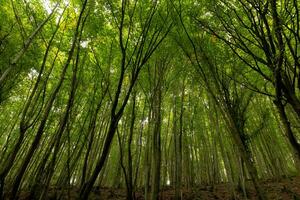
[{"x": 147, "y": 94}]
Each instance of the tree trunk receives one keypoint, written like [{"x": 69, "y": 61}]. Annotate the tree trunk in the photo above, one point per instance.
[
  {"x": 156, "y": 139},
  {"x": 130, "y": 189},
  {"x": 247, "y": 158},
  {"x": 40, "y": 131}
]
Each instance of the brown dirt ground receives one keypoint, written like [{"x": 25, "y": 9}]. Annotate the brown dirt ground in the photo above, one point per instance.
[{"x": 284, "y": 189}]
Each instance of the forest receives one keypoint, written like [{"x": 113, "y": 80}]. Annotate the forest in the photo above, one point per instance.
[{"x": 149, "y": 99}]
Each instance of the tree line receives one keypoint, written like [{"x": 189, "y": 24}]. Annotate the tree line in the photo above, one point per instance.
[{"x": 147, "y": 94}]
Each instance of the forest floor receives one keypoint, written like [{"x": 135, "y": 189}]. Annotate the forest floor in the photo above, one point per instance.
[{"x": 284, "y": 189}]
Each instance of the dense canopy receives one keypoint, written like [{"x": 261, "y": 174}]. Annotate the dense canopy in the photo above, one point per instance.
[{"x": 147, "y": 94}]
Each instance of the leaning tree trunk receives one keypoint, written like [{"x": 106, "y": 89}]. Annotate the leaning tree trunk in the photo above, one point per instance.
[
  {"x": 28, "y": 42},
  {"x": 46, "y": 113},
  {"x": 247, "y": 158}
]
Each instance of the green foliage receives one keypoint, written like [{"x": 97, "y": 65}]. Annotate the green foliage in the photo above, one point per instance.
[{"x": 197, "y": 69}]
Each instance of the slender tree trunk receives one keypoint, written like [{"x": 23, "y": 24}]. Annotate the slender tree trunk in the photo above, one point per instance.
[
  {"x": 28, "y": 42},
  {"x": 156, "y": 145},
  {"x": 178, "y": 147},
  {"x": 87, "y": 187},
  {"x": 130, "y": 189},
  {"x": 40, "y": 131},
  {"x": 25, "y": 123},
  {"x": 289, "y": 133},
  {"x": 148, "y": 160},
  {"x": 247, "y": 158},
  {"x": 91, "y": 135}
]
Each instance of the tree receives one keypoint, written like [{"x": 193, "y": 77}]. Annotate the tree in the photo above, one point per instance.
[
  {"x": 148, "y": 41},
  {"x": 198, "y": 94},
  {"x": 262, "y": 38}
]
